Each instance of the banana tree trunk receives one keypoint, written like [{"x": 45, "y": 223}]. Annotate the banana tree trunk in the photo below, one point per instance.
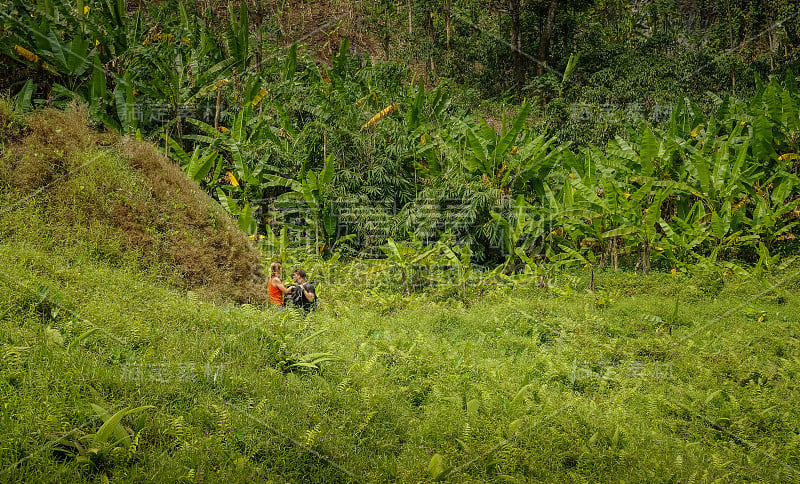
[
  {"x": 614, "y": 254},
  {"x": 645, "y": 258}
]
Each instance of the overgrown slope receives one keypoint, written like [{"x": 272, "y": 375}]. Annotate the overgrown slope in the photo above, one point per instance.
[{"x": 76, "y": 190}]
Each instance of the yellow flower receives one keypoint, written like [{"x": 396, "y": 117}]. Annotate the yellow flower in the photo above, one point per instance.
[
  {"x": 86, "y": 10},
  {"x": 674, "y": 271},
  {"x": 259, "y": 96},
  {"x": 422, "y": 140},
  {"x": 232, "y": 179},
  {"x": 626, "y": 195},
  {"x": 23, "y": 52},
  {"x": 382, "y": 114},
  {"x": 223, "y": 129}
]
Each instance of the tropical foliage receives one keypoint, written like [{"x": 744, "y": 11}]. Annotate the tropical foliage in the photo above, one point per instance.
[
  {"x": 351, "y": 156},
  {"x": 474, "y": 322}
]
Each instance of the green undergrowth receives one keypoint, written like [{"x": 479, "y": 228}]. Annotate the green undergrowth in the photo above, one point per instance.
[
  {"x": 665, "y": 378},
  {"x": 113, "y": 368}
]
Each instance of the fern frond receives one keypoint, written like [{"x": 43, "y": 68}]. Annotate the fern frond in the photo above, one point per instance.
[
  {"x": 364, "y": 423},
  {"x": 311, "y": 435}
]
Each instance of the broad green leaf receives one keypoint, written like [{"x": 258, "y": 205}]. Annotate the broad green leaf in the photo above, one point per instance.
[
  {"x": 473, "y": 406},
  {"x": 509, "y": 137},
  {"x": 619, "y": 232},
  {"x": 515, "y": 426},
  {"x": 649, "y": 152},
  {"x": 228, "y": 203},
  {"x": 416, "y": 108},
  {"x": 112, "y": 426},
  {"x": 762, "y": 139},
  {"x": 436, "y": 466},
  {"x": 97, "y": 88},
  {"x": 476, "y": 160},
  {"x": 290, "y": 67},
  {"x": 199, "y": 167},
  {"x": 246, "y": 221},
  {"x": 22, "y": 101},
  {"x": 326, "y": 176}
]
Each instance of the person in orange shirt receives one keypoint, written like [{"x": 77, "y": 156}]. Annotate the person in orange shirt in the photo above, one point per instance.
[{"x": 275, "y": 287}]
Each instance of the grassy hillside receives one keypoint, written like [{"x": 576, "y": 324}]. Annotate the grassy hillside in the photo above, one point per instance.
[
  {"x": 118, "y": 200},
  {"x": 115, "y": 363}
]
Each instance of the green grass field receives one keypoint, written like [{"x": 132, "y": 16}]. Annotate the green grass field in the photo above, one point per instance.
[
  {"x": 650, "y": 379},
  {"x": 117, "y": 367}
]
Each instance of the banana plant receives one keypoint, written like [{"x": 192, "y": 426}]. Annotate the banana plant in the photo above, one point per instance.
[
  {"x": 776, "y": 128},
  {"x": 278, "y": 245},
  {"x": 199, "y": 164},
  {"x": 641, "y": 214},
  {"x": 684, "y": 235},
  {"x": 81, "y": 48},
  {"x": 590, "y": 213},
  {"x": 239, "y": 142},
  {"x": 460, "y": 258},
  {"x": 412, "y": 260},
  {"x": 423, "y": 119},
  {"x": 772, "y": 211},
  {"x": 486, "y": 152},
  {"x": 237, "y": 37},
  {"x": 521, "y": 231},
  {"x": 309, "y": 200}
]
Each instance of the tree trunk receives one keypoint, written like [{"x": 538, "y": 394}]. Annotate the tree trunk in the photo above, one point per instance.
[
  {"x": 166, "y": 141},
  {"x": 259, "y": 33},
  {"x": 448, "y": 22},
  {"x": 547, "y": 32},
  {"x": 730, "y": 43},
  {"x": 408, "y": 4},
  {"x": 516, "y": 42},
  {"x": 218, "y": 110},
  {"x": 429, "y": 26}
]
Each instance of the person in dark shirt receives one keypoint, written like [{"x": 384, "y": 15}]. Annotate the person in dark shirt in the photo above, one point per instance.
[{"x": 303, "y": 294}]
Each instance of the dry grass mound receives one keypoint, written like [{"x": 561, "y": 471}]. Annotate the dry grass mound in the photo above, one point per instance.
[{"x": 65, "y": 184}]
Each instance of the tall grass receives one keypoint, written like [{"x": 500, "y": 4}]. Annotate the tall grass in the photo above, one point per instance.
[{"x": 528, "y": 387}]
